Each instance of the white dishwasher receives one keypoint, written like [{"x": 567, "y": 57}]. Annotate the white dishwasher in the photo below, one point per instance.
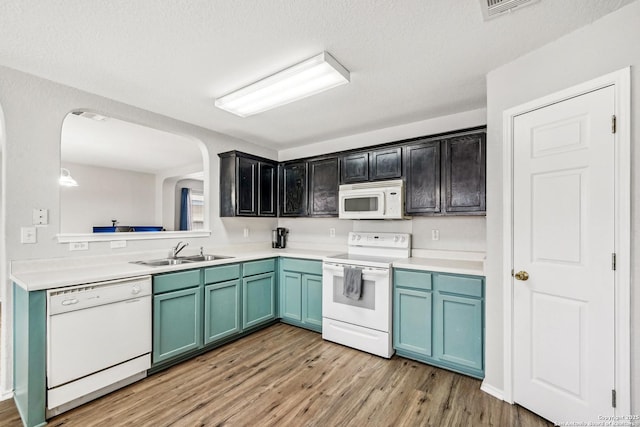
[{"x": 98, "y": 340}]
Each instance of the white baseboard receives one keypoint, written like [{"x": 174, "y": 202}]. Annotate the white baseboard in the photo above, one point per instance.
[
  {"x": 493, "y": 391},
  {"x": 5, "y": 395}
]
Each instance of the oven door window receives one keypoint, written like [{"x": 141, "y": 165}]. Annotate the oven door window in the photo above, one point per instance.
[{"x": 368, "y": 295}]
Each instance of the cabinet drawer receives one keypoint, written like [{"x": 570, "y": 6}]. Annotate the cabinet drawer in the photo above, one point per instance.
[
  {"x": 301, "y": 265},
  {"x": 175, "y": 281},
  {"x": 412, "y": 279},
  {"x": 258, "y": 267},
  {"x": 221, "y": 274},
  {"x": 462, "y": 285}
]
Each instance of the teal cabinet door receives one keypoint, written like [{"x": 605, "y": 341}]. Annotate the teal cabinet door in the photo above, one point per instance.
[
  {"x": 312, "y": 301},
  {"x": 221, "y": 310},
  {"x": 291, "y": 296},
  {"x": 459, "y": 332},
  {"x": 412, "y": 320},
  {"x": 177, "y": 323},
  {"x": 258, "y": 299}
]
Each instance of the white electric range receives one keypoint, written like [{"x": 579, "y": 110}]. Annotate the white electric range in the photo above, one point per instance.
[{"x": 363, "y": 323}]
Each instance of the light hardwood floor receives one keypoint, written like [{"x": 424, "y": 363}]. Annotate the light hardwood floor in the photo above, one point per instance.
[{"x": 287, "y": 376}]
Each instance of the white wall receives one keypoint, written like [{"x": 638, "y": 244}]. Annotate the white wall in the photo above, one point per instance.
[
  {"x": 606, "y": 45},
  {"x": 104, "y": 194}
]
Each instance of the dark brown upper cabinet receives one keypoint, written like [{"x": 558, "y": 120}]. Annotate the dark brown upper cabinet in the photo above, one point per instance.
[
  {"x": 422, "y": 177},
  {"x": 247, "y": 185},
  {"x": 323, "y": 186},
  {"x": 385, "y": 164},
  {"x": 354, "y": 167},
  {"x": 465, "y": 168},
  {"x": 375, "y": 165},
  {"x": 293, "y": 188},
  {"x": 446, "y": 176}
]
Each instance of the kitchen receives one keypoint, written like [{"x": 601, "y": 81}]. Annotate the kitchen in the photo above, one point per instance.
[{"x": 28, "y": 169}]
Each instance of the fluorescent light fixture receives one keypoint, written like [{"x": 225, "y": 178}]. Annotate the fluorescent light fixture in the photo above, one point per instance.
[
  {"x": 66, "y": 180},
  {"x": 306, "y": 78}
]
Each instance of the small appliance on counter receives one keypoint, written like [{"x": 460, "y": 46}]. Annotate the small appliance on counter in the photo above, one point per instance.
[{"x": 279, "y": 238}]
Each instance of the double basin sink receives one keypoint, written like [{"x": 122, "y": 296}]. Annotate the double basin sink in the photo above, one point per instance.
[{"x": 180, "y": 260}]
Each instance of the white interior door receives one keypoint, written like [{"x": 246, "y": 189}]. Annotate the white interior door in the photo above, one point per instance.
[{"x": 563, "y": 231}]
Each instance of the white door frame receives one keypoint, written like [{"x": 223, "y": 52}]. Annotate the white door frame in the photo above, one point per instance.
[{"x": 621, "y": 80}]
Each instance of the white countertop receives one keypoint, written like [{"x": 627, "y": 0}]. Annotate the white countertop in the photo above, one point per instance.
[
  {"x": 456, "y": 266},
  {"x": 48, "y": 274},
  {"x": 35, "y": 275}
]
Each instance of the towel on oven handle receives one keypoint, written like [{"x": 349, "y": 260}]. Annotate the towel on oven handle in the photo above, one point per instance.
[{"x": 352, "y": 286}]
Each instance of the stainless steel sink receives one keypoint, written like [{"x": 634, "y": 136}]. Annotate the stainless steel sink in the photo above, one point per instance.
[
  {"x": 201, "y": 258},
  {"x": 179, "y": 260},
  {"x": 164, "y": 261}
]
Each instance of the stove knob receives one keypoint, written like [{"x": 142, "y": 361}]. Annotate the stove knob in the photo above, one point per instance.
[
  {"x": 404, "y": 238},
  {"x": 396, "y": 239},
  {"x": 353, "y": 237},
  {"x": 135, "y": 290},
  {"x": 358, "y": 237}
]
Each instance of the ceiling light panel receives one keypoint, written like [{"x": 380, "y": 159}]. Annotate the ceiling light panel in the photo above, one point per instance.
[{"x": 314, "y": 75}]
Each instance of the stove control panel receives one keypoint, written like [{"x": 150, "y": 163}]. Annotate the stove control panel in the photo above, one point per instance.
[{"x": 380, "y": 240}]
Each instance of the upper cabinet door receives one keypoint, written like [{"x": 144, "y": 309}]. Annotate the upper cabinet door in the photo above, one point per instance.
[
  {"x": 247, "y": 184},
  {"x": 267, "y": 184},
  {"x": 385, "y": 164},
  {"x": 323, "y": 187},
  {"x": 293, "y": 189},
  {"x": 465, "y": 170},
  {"x": 422, "y": 175},
  {"x": 354, "y": 168}
]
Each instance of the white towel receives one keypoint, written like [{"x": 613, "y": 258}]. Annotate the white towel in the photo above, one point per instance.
[{"x": 352, "y": 286}]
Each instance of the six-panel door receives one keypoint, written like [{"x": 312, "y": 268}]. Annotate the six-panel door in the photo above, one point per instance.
[
  {"x": 177, "y": 323},
  {"x": 221, "y": 310},
  {"x": 258, "y": 299}
]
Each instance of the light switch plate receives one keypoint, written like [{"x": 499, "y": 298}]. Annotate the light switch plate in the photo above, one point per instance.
[{"x": 28, "y": 235}]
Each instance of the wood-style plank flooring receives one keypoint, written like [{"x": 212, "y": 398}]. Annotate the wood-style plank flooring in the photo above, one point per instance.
[{"x": 286, "y": 376}]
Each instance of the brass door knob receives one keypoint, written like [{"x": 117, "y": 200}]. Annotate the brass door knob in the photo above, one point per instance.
[{"x": 521, "y": 275}]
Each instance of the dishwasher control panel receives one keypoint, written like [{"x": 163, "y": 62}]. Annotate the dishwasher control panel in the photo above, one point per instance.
[{"x": 72, "y": 298}]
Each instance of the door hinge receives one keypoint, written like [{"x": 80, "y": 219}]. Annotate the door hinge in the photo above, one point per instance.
[
  {"x": 613, "y": 124},
  {"x": 613, "y": 261},
  {"x": 613, "y": 398},
  {"x": 512, "y": 272}
]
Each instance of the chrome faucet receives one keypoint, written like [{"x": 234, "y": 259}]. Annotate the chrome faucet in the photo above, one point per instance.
[{"x": 175, "y": 251}]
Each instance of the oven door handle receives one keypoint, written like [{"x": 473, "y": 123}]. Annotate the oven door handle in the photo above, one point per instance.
[{"x": 335, "y": 268}]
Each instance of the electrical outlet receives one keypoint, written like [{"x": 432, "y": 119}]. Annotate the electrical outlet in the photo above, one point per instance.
[
  {"x": 40, "y": 216},
  {"x": 79, "y": 246},
  {"x": 115, "y": 244},
  {"x": 435, "y": 234},
  {"x": 28, "y": 235},
  {"x": 245, "y": 232},
  {"x": 332, "y": 232}
]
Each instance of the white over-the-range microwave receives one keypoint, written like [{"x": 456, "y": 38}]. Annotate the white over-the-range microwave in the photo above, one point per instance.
[{"x": 372, "y": 200}]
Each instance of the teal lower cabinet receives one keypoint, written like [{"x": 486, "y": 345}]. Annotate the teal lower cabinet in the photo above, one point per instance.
[
  {"x": 438, "y": 318},
  {"x": 221, "y": 310},
  {"x": 258, "y": 292},
  {"x": 29, "y": 355},
  {"x": 301, "y": 293},
  {"x": 222, "y": 302},
  {"x": 177, "y": 315}
]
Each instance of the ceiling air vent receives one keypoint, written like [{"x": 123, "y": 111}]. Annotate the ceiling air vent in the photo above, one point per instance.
[{"x": 493, "y": 8}]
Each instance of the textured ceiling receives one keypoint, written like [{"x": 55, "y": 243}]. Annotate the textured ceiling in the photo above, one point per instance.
[{"x": 409, "y": 59}]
